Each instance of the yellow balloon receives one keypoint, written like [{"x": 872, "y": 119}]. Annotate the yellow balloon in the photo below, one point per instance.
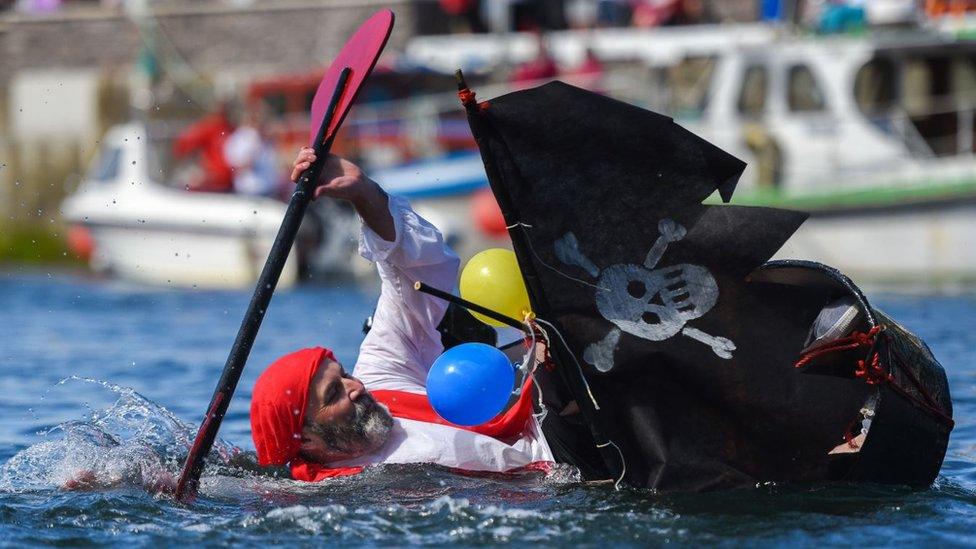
[{"x": 492, "y": 279}]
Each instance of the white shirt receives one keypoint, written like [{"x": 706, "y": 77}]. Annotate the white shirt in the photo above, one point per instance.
[
  {"x": 252, "y": 160},
  {"x": 404, "y": 341}
]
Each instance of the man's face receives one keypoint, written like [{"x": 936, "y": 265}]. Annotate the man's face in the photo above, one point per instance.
[{"x": 342, "y": 420}]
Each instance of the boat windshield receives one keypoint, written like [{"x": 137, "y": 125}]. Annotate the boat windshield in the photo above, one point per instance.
[
  {"x": 923, "y": 97},
  {"x": 106, "y": 167},
  {"x": 688, "y": 84}
]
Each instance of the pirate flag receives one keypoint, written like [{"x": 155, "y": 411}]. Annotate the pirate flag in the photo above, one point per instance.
[{"x": 676, "y": 350}]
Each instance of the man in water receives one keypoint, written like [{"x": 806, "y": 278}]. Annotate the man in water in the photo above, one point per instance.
[{"x": 308, "y": 412}]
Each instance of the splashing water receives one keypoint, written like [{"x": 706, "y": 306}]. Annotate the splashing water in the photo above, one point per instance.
[
  {"x": 135, "y": 441},
  {"x": 170, "y": 345}
]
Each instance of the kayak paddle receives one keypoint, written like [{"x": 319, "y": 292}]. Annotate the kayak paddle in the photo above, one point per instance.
[{"x": 334, "y": 97}]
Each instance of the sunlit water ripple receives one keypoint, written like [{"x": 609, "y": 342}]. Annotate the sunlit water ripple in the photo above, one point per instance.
[{"x": 112, "y": 377}]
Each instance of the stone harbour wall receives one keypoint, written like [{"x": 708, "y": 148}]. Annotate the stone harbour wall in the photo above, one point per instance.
[
  {"x": 290, "y": 35},
  {"x": 101, "y": 49}
]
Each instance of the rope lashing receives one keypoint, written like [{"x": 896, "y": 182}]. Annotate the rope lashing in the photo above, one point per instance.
[
  {"x": 871, "y": 370},
  {"x": 854, "y": 341},
  {"x": 468, "y": 99}
]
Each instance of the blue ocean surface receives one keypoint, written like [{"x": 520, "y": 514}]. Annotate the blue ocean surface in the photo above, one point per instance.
[{"x": 113, "y": 378}]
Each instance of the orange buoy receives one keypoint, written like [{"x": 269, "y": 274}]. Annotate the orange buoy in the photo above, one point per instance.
[
  {"x": 487, "y": 215},
  {"x": 80, "y": 242}
]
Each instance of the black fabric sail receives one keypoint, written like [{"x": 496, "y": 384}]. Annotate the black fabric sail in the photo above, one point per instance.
[{"x": 679, "y": 357}]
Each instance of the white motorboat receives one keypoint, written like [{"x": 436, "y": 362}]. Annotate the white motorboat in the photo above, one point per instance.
[
  {"x": 144, "y": 231},
  {"x": 871, "y": 135}
]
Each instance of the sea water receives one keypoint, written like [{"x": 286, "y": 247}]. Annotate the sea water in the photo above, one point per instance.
[{"x": 113, "y": 378}]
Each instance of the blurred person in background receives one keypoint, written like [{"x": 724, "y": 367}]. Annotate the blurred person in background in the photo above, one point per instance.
[
  {"x": 658, "y": 13},
  {"x": 541, "y": 67},
  {"x": 588, "y": 74},
  {"x": 841, "y": 16},
  {"x": 614, "y": 13},
  {"x": 581, "y": 14},
  {"x": 534, "y": 15},
  {"x": 36, "y": 6},
  {"x": 465, "y": 15},
  {"x": 957, "y": 8},
  {"x": 206, "y": 137},
  {"x": 252, "y": 158}
]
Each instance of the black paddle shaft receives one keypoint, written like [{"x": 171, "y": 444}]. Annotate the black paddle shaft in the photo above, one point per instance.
[
  {"x": 304, "y": 191},
  {"x": 451, "y": 298}
]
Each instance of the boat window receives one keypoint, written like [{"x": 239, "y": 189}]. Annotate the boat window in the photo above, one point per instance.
[
  {"x": 964, "y": 89},
  {"x": 106, "y": 167},
  {"x": 874, "y": 86},
  {"x": 922, "y": 99},
  {"x": 688, "y": 84},
  {"x": 964, "y": 79},
  {"x": 752, "y": 96},
  {"x": 917, "y": 85},
  {"x": 927, "y": 102},
  {"x": 804, "y": 95}
]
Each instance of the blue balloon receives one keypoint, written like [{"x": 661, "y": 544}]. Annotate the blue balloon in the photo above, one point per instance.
[{"x": 469, "y": 384}]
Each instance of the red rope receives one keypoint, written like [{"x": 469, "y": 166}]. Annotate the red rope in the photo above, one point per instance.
[
  {"x": 849, "y": 439},
  {"x": 849, "y": 433},
  {"x": 853, "y": 341},
  {"x": 469, "y": 100},
  {"x": 871, "y": 370},
  {"x": 467, "y": 97}
]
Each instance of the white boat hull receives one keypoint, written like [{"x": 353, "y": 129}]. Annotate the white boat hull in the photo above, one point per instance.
[
  {"x": 922, "y": 243},
  {"x": 917, "y": 241},
  {"x": 184, "y": 258},
  {"x": 146, "y": 232}
]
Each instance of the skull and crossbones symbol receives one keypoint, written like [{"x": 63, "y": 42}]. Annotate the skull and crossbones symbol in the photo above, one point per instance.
[{"x": 648, "y": 302}]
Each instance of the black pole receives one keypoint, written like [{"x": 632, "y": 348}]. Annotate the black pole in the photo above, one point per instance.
[
  {"x": 234, "y": 367},
  {"x": 451, "y": 298}
]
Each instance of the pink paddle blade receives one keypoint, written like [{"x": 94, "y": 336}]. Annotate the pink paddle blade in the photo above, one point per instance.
[{"x": 359, "y": 54}]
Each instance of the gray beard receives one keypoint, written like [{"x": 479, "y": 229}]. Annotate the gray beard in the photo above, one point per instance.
[{"x": 364, "y": 433}]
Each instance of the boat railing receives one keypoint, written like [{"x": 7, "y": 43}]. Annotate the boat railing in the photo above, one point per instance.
[
  {"x": 431, "y": 125},
  {"x": 957, "y": 141},
  {"x": 903, "y": 126}
]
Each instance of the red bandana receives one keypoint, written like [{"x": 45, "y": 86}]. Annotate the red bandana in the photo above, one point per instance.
[{"x": 278, "y": 405}]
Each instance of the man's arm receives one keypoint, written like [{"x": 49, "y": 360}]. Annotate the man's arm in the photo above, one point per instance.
[{"x": 406, "y": 248}]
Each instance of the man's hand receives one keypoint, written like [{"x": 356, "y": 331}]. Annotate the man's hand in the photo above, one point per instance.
[
  {"x": 344, "y": 180},
  {"x": 82, "y": 481},
  {"x": 340, "y": 178},
  {"x": 155, "y": 482}
]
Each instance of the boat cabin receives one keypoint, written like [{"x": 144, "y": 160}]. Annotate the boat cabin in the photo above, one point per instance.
[{"x": 811, "y": 112}]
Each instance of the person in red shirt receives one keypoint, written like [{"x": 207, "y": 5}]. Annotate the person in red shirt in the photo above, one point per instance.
[
  {"x": 207, "y": 137},
  {"x": 543, "y": 67},
  {"x": 588, "y": 74},
  {"x": 465, "y": 12}
]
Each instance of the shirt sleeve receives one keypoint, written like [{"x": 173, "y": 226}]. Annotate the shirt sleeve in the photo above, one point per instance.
[{"x": 404, "y": 341}]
